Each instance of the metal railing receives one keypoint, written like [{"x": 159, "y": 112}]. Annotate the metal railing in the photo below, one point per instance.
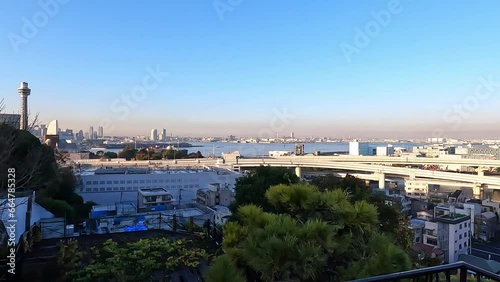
[{"x": 460, "y": 270}]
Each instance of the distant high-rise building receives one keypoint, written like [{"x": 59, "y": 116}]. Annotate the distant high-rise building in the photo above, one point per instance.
[
  {"x": 100, "y": 132},
  {"x": 292, "y": 135},
  {"x": 164, "y": 135},
  {"x": 95, "y": 135},
  {"x": 43, "y": 130},
  {"x": 87, "y": 136},
  {"x": 24, "y": 92},
  {"x": 80, "y": 135},
  {"x": 91, "y": 133},
  {"x": 154, "y": 135}
]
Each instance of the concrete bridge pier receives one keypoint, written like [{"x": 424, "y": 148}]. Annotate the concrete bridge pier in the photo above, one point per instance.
[
  {"x": 481, "y": 170},
  {"x": 381, "y": 180},
  {"x": 478, "y": 191},
  {"x": 298, "y": 171}
]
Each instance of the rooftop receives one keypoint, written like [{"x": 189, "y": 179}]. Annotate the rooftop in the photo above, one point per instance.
[
  {"x": 452, "y": 218},
  {"x": 153, "y": 191}
]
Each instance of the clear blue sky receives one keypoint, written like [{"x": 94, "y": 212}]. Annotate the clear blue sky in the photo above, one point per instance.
[{"x": 230, "y": 74}]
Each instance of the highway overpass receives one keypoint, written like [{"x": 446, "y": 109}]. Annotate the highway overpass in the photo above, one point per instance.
[{"x": 381, "y": 171}]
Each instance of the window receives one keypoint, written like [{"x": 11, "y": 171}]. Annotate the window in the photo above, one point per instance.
[
  {"x": 432, "y": 241},
  {"x": 460, "y": 225},
  {"x": 122, "y": 181},
  {"x": 460, "y": 237},
  {"x": 102, "y": 182},
  {"x": 88, "y": 189},
  {"x": 109, "y": 189},
  {"x": 409, "y": 194},
  {"x": 95, "y": 182},
  {"x": 148, "y": 181},
  {"x": 465, "y": 245},
  {"x": 96, "y": 189},
  {"x": 136, "y": 181},
  {"x": 167, "y": 180},
  {"x": 460, "y": 246},
  {"x": 115, "y": 189},
  {"x": 102, "y": 189},
  {"x": 155, "y": 181},
  {"x": 142, "y": 181},
  {"x": 465, "y": 234},
  {"x": 129, "y": 188},
  {"x": 129, "y": 181},
  {"x": 109, "y": 182},
  {"x": 115, "y": 182},
  {"x": 88, "y": 182},
  {"x": 161, "y": 180},
  {"x": 186, "y": 186},
  {"x": 465, "y": 224}
]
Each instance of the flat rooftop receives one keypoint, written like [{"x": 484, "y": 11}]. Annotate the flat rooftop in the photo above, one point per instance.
[
  {"x": 147, "y": 191},
  {"x": 108, "y": 171},
  {"x": 452, "y": 218}
]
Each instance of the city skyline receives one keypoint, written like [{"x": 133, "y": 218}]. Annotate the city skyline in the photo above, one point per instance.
[{"x": 258, "y": 69}]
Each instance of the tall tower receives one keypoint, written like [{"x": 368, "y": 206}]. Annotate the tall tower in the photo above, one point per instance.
[
  {"x": 91, "y": 133},
  {"x": 24, "y": 92}
]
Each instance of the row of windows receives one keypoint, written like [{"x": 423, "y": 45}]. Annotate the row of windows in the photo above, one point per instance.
[
  {"x": 139, "y": 181},
  {"x": 102, "y": 189}
]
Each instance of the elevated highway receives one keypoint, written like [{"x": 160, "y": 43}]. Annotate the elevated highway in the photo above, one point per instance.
[
  {"x": 394, "y": 160},
  {"x": 477, "y": 181}
]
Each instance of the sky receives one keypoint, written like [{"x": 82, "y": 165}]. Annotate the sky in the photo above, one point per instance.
[{"x": 380, "y": 68}]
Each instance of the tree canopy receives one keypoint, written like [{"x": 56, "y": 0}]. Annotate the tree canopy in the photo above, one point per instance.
[
  {"x": 307, "y": 235},
  {"x": 251, "y": 188}
]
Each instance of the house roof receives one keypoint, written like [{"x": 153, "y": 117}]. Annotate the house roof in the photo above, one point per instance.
[
  {"x": 489, "y": 265},
  {"x": 456, "y": 194}
]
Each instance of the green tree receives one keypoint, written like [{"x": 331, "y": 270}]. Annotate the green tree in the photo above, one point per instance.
[
  {"x": 34, "y": 163},
  {"x": 110, "y": 155},
  {"x": 310, "y": 236},
  {"x": 251, "y": 188},
  {"x": 133, "y": 261},
  {"x": 127, "y": 153},
  {"x": 354, "y": 186}
]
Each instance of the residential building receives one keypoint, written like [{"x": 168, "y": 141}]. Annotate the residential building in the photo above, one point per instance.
[
  {"x": 400, "y": 201},
  {"x": 419, "y": 189},
  {"x": 154, "y": 199},
  {"x": 454, "y": 235},
  {"x": 417, "y": 230},
  {"x": 214, "y": 195},
  {"x": 485, "y": 225},
  {"x": 221, "y": 214},
  {"x": 457, "y": 197}
]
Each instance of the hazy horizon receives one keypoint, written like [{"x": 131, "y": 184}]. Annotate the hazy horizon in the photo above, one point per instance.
[{"x": 374, "y": 69}]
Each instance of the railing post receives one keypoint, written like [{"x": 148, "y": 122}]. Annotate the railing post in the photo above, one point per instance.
[
  {"x": 463, "y": 274},
  {"x": 174, "y": 222},
  {"x": 191, "y": 224},
  {"x": 159, "y": 223}
]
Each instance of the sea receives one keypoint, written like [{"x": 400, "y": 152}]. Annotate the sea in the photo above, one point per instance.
[{"x": 262, "y": 149}]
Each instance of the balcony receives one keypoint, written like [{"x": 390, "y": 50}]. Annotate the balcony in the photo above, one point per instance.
[{"x": 458, "y": 271}]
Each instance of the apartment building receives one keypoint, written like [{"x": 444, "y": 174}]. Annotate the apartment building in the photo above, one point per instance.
[
  {"x": 154, "y": 199},
  {"x": 215, "y": 195}
]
